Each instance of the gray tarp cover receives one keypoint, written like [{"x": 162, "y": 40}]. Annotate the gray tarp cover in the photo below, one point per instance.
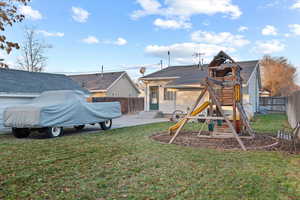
[{"x": 59, "y": 109}]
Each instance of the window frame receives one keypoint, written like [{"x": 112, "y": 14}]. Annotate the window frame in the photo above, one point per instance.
[{"x": 169, "y": 95}]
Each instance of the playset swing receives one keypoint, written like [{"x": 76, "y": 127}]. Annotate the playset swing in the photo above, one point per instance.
[{"x": 222, "y": 88}]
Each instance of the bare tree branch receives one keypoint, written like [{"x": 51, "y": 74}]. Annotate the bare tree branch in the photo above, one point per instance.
[{"x": 32, "y": 58}]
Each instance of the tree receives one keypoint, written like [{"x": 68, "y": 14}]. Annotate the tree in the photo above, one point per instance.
[
  {"x": 8, "y": 16},
  {"x": 278, "y": 76},
  {"x": 32, "y": 53}
]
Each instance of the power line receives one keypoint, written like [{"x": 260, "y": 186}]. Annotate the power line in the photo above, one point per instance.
[{"x": 121, "y": 68}]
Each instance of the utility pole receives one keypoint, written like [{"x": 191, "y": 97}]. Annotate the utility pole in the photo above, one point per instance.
[
  {"x": 169, "y": 57},
  {"x": 102, "y": 71},
  {"x": 161, "y": 64},
  {"x": 200, "y": 59}
]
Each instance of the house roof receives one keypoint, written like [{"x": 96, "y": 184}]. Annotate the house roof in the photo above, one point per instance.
[
  {"x": 192, "y": 74},
  {"x": 18, "y": 81},
  {"x": 99, "y": 81}
]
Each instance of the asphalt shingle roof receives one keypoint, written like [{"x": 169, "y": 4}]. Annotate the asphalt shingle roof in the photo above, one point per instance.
[
  {"x": 97, "y": 81},
  {"x": 18, "y": 81},
  {"x": 192, "y": 74}
]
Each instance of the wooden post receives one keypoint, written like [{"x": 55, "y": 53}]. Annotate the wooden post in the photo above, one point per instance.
[
  {"x": 234, "y": 110},
  {"x": 214, "y": 98},
  {"x": 245, "y": 119},
  {"x": 234, "y": 71},
  {"x": 185, "y": 120}
]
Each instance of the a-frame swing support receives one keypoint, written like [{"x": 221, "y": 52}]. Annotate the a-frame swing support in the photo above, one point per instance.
[
  {"x": 224, "y": 86},
  {"x": 215, "y": 101}
]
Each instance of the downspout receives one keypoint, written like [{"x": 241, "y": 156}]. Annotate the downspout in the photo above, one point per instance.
[
  {"x": 175, "y": 100},
  {"x": 146, "y": 97}
]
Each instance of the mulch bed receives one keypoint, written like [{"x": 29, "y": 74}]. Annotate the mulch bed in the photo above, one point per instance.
[{"x": 260, "y": 142}]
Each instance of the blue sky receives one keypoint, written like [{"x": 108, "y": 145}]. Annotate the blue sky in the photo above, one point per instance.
[{"x": 128, "y": 34}]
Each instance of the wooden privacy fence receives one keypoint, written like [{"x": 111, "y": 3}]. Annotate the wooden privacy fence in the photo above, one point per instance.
[
  {"x": 293, "y": 109},
  {"x": 273, "y": 104},
  {"x": 128, "y": 104}
]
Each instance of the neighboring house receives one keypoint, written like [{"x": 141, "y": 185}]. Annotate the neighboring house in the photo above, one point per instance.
[
  {"x": 177, "y": 87},
  {"x": 114, "y": 84},
  {"x": 18, "y": 87}
]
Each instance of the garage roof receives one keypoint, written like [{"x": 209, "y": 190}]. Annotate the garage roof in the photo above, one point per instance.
[{"x": 18, "y": 81}]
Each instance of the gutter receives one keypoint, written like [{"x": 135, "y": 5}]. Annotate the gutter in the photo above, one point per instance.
[
  {"x": 183, "y": 86},
  {"x": 19, "y": 95},
  {"x": 98, "y": 91},
  {"x": 159, "y": 78}
]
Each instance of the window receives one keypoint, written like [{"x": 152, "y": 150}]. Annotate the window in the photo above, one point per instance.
[{"x": 169, "y": 94}]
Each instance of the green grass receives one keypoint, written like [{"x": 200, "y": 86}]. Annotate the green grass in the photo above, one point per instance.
[
  {"x": 270, "y": 123},
  {"x": 126, "y": 164}
]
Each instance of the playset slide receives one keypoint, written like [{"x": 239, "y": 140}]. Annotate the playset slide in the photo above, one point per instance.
[{"x": 193, "y": 114}]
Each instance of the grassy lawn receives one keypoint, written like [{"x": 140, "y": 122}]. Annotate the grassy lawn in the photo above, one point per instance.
[
  {"x": 126, "y": 164},
  {"x": 270, "y": 123}
]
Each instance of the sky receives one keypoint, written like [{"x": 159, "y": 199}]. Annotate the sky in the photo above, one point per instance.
[{"x": 128, "y": 34}]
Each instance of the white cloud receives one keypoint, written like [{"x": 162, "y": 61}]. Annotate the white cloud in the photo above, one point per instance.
[
  {"x": 183, "y": 52},
  {"x": 90, "y": 40},
  {"x": 172, "y": 24},
  {"x": 295, "y": 29},
  {"x": 296, "y": 5},
  {"x": 149, "y": 7},
  {"x": 120, "y": 41},
  {"x": 178, "y": 13},
  {"x": 224, "y": 38},
  {"x": 269, "y": 30},
  {"x": 80, "y": 15},
  {"x": 49, "y": 34},
  {"x": 269, "y": 47},
  {"x": 94, "y": 40},
  {"x": 205, "y": 23},
  {"x": 188, "y": 8},
  {"x": 30, "y": 13},
  {"x": 273, "y": 3},
  {"x": 243, "y": 29}
]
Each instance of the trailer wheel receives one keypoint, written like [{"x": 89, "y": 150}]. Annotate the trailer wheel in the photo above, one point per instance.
[
  {"x": 53, "y": 132},
  {"x": 21, "y": 132},
  {"x": 80, "y": 127},
  {"x": 106, "y": 125}
]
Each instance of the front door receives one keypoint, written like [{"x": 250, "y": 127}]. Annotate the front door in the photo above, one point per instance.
[{"x": 154, "y": 98}]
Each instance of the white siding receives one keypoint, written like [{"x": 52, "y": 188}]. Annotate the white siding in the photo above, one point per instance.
[
  {"x": 123, "y": 88},
  {"x": 185, "y": 98},
  {"x": 164, "y": 106},
  {"x": 251, "y": 98},
  {"x": 14, "y": 100}
]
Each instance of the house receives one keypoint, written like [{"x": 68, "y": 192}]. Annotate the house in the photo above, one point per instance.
[
  {"x": 17, "y": 87},
  {"x": 177, "y": 87},
  {"x": 113, "y": 84}
]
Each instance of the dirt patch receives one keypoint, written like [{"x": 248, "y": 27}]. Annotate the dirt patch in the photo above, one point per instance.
[{"x": 260, "y": 142}]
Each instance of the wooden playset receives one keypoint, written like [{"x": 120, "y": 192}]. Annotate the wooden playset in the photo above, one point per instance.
[{"x": 224, "y": 88}]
